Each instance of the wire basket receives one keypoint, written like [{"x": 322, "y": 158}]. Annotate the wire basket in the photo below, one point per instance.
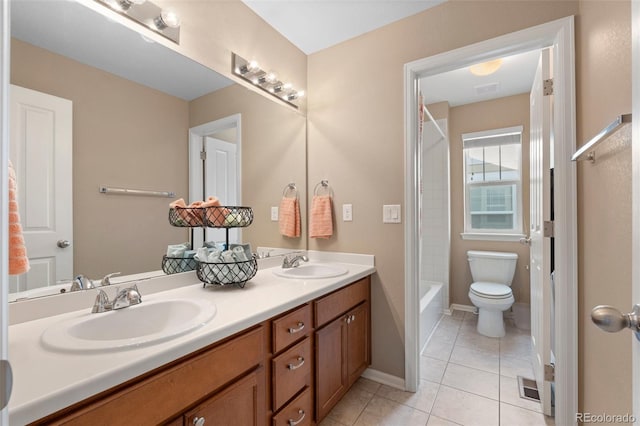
[
  {"x": 213, "y": 217},
  {"x": 228, "y": 216},
  {"x": 175, "y": 265},
  {"x": 186, "y": 216},
  {"x": 233, "y": 273}
]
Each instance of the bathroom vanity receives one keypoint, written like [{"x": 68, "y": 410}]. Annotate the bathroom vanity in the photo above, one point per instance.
[{"x": 281, "y": 351}]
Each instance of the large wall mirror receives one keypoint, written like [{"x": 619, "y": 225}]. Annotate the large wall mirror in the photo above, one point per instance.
[{"x": 133, "y": 102}]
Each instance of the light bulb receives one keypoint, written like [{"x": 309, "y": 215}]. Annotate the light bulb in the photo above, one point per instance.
[{"x": 166, "y": 19}]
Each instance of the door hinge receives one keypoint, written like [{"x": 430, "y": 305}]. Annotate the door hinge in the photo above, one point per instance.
[
  {"x": 548, "y": 229},
  {"x": 549, "y": 373},
  {"x": 203, "y": 155},
  {"x": 547, "y": 87}
]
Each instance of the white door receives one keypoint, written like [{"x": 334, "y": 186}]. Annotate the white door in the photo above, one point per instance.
[
  {"x": 540, "y": 212},
  {"x": 41, "y": 153},
  {"x": 220, "y": 181},
  {"x": 635, "y": 11},
  {"x": 215, "y": 149}
]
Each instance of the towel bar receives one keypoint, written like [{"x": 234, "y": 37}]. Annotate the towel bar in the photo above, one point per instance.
[
  {"x": 144, "y": 192},
  {"x": 604, "y": 133}
]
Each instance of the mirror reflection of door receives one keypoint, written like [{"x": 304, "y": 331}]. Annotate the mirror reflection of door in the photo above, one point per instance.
[
  {"x": 215, "y": 152},
  {"x": 220, "y": 180},
  {"x": 41, "y": 153}
]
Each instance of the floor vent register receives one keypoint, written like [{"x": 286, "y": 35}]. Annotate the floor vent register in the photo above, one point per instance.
[{"x": 528, "y": 389}]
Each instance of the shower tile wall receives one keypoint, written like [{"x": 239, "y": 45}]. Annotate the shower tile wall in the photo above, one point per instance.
[{"x": 435, "y": 205}]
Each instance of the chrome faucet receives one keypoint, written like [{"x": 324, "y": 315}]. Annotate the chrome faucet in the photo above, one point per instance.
[
  {"x": 80, "y": 282},
  {"x": 293, "y": 260},
  {"x": 124, "y": 298},
  {"x": 107, "y": 279}
]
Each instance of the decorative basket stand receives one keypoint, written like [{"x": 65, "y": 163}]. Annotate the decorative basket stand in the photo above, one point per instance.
[{"x": 216, "y": 273}]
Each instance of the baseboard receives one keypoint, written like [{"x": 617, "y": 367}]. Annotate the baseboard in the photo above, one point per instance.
[
  {"x": 465, "y": 308},
  {"x": 384, "y": 378}
]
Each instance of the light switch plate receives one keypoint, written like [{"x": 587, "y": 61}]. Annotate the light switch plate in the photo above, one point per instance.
[
  {"x": 347, "y": 212},
  {"x": 391, "y": 213},
  {"x": 274, "y": 213}
]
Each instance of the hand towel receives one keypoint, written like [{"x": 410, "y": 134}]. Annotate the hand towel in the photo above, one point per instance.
[
  {"x": 185, "y": 213},
  {"x": 320, "y": 220},
  {"x": 215, "y": 213},
  {"x": 290, "y": 217},
  {"x": 18, "y": 260}
]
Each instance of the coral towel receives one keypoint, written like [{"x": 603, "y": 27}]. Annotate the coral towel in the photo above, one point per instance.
[
  {"x": 320, "y": 220},
  {"x": 290, "y": 217},
  {"x": 18, "y": 260}
]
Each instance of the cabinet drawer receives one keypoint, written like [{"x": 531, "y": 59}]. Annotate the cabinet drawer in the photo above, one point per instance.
[
  {"x": 296, "y": 413},
  {"x": 340, "y": 301},
  {"x": 291, "y": 327},
  {"x": 291, "y": 372}
]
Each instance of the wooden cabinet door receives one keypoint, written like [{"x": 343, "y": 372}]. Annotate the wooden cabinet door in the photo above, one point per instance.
[
  {"x": 239, "y": 404},
  {"x": 358, "y": 337},
  {"x": 331, "y": 373}
]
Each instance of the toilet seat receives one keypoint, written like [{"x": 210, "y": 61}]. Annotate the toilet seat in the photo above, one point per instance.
[{"x": 491, "y": 290}]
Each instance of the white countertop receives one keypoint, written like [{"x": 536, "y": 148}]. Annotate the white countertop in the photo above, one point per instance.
[{"x": 47, "y": 381}]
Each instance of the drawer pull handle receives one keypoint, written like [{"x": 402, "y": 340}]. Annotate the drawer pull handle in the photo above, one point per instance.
[
  {"x": 295, "y": 422},
  {"x": 298, "y": 329},
  {"x": 198, "y": 421},
  {"x": 298, "y": 365}
]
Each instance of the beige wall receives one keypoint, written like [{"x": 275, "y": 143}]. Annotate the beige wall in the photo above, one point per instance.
[
  {"x": 273, "y": 155},
  {"x": 603, "y": 67},
  {"x": 496, "y": 114},
  {"x": 356, "y": 135},
  {"x": 118, "y": 128}
]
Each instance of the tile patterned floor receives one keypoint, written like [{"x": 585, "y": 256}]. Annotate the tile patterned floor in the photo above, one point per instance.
[{"x": 466, "y": 379}]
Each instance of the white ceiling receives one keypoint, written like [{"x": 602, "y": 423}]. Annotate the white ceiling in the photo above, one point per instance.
[
  {"x": 313, "y": 25},
  {"x": 460, "y": 87}
]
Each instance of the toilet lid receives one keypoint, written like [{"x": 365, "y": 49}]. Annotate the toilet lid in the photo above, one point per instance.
[{"x": 491, "y": 290}]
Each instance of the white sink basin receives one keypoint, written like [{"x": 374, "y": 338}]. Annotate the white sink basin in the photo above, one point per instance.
[
  {"x": 311, "y": 271},
  {"x": 140, "y": 325}
]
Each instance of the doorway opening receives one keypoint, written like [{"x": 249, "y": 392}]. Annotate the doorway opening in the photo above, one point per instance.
[{"x": 559, "y": 35}]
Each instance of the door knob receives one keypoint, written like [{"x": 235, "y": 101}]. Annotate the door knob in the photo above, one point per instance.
[
  {"x": 63, "y": 243},
  {"x": 612, "y": 320}
]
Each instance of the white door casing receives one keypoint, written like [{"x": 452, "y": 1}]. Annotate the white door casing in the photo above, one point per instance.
[
  {"x": 540, "y": 212},
  {"x": 560, "y": 35},
  {"x": 41, "y": 152}
]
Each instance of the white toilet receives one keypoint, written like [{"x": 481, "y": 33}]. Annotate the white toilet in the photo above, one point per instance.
[{"x": 490, "y": 291}]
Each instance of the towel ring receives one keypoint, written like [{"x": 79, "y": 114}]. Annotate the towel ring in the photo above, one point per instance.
[
  {"x": 290, "y": 187},
  {"x": 323, "y": 185}
]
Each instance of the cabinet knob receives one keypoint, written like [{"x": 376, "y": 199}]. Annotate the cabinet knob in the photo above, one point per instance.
[
  {"x": 299, "y": 328},
  {"x": 292, "y": 422},
  {"x": 198, "y": 421},
  {"x": 298, "y": 365}
]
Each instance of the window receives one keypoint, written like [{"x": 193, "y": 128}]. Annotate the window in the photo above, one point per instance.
[{"x": 492, "y": 181}]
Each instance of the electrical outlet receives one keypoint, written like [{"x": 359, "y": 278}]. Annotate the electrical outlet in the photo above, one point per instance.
[
  {"x": 347, "y": 212},
  {"x": 274, "y": 213}
]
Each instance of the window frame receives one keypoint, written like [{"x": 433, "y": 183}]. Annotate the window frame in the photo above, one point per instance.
[{"x": 511, "y": 234}]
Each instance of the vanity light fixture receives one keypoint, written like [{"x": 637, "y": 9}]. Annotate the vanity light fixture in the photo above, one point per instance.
[
  {"x": 164, "y": 22},
  {"x": 265, "y": 80}
]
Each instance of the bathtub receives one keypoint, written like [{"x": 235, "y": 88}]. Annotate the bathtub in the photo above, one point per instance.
[{"x": 431, "y": 308}]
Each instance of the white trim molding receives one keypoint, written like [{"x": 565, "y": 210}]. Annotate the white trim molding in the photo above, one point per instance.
[
  {"x": 635, "y": 192},
  {"x": 384, "y": 378},
  {"x": 560, "y": 35}
]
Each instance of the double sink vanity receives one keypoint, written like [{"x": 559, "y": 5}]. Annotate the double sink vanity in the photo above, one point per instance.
[{"x": 282, "y": 350}]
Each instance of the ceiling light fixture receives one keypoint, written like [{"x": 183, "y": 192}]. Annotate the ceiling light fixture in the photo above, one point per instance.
[
  {"x": 267, "y": 81},
  {"x": 486, "y": 68},
  {"x": 163, "y": 22}
]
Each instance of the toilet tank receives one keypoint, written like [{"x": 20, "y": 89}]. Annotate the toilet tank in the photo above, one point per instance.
[{"x": 492, "y": 266}]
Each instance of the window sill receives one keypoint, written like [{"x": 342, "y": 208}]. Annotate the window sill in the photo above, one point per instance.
[{"x": 491, "y": 237}]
